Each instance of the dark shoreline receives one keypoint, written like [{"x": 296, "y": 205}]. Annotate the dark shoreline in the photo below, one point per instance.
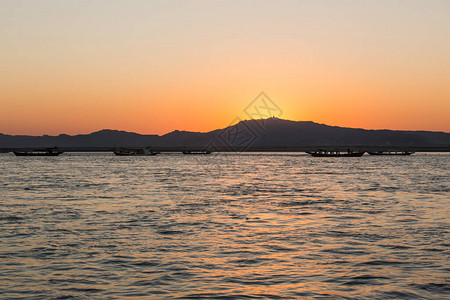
[{"x": 247, "y": 149}]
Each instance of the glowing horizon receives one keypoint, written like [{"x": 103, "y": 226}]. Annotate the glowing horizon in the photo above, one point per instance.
[
  {"x": 154, "y": 67},
  {"x": 207, "y": 130}
]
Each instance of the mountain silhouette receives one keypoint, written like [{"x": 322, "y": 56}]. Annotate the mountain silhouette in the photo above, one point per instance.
[{"x": 272, "y": 132}]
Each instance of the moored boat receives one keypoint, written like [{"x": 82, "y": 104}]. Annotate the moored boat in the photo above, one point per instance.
[
  {"x": 197, "y": 152},
  {"x": 38, "y": 152},
  {"x": 134, "y": 152},
  {"x": 328, "y": 153}
]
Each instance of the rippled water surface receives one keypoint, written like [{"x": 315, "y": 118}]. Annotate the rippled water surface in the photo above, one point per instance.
[{"x": 96, "y": 226}]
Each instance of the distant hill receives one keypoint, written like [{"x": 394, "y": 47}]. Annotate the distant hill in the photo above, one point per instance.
[
  {"x": 102, "y": 138},
  {"x": 264, "y": 132}
]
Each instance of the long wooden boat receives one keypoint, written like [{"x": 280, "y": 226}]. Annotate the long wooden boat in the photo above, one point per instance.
[
  {"x": 38, "y": 152},
  {"x": 134, "y": 152},
  {"x": 324, "y": 153},
  {"x": 197, "y": 152}
]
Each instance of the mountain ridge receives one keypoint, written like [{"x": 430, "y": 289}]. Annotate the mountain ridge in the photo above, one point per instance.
[{"x": 254, "y": 132}]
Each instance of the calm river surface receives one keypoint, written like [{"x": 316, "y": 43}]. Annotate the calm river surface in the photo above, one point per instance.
[{"x": 226, "y": 226}]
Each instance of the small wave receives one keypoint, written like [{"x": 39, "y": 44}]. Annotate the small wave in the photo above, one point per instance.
[
  {"x": 117, "y": 262},
  {"x": 11, "y": 218},
  {"x": 71, "y": 280},
  {"x": 42, "y": 252},
  {"x": 433, "y": 249},
  {"x": 279, "y": 248},
  {"x": 63, "y": 297},
  {"x": 242, "y": 252},
  {"x": 222, "y": 296},
  {"x": 400, "y": 295},
  {"x": 400, "y": 247},
  {"x": 146, "y": 263},
  {"x": 170, "y": 232},
  {"x": 84, "y": 290},
  {"x": 381, "y": 263},
  {"x": 366, "y": 280},
  {"x": 305, "y": 202},
  {"x": 433, "y": 287},
  {"x": 248, "y": 261},
  {"x": 347, "y": 251}
]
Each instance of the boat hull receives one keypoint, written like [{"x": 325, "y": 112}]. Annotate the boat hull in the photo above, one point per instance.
[
  {"x": 24, "y": 153},
  {"x": 134, "y": 154},
  {"x": 317, "y": 154},
  {"x": 118, "y": 153},
  {"x": 196, "y": 152}
]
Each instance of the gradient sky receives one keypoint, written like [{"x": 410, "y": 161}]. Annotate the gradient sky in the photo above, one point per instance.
[{"x": 155, "y": 66}]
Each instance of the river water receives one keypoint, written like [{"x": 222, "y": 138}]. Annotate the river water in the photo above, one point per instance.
[{"x": 224, "y": 226}]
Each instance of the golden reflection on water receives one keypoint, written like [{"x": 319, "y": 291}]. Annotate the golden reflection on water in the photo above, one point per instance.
[{"x": 265, "y": 225}]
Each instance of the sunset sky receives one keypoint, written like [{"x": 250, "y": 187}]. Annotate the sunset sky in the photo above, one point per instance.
[{"x": 156, "y": 66}]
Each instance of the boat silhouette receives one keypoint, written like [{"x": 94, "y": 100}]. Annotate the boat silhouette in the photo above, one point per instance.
[
  {"x": 335, "y": 153},
  {"x": 39, "y": 152},
  {"x": 134, "y": 152}
]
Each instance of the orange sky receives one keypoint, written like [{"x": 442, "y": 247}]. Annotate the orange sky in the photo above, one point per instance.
[{"x": 155, "y": 66}]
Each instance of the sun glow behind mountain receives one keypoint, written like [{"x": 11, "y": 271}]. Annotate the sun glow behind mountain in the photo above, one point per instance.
[{"x": 152, "y": 67}]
